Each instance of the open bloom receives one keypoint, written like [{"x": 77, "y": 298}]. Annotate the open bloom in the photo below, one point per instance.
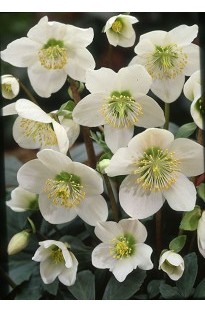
[
  {"x": 192, "y": 90},
  {"x": 168, "y": 58},
  {"x": 22, "y": 200},
  {"x": 56, "y": 261},
  {"x": 122, "y": 249},
  {"x": 51, "y": 51},
  {"x": 172, "y": 263},
  {"x": 201, "y": 234},
  {"x": 66, "y": 188},
  {"x": 119, "y": 102},
  {"x": 119, "y": 30},
  {"x": 33, "y": 128},
  {"x": 157, "y": 167},
  {"x": 9, "y": 87}
]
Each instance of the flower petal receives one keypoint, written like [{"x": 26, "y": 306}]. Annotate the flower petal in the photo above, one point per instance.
[
  {"x": 157, "y": 37},
  {"x": 20, "y": 199},
  {"x": 117, "y": 137},
  {"x": 54, "y": 161},
  {"x": 78, "y": 37},
  {"x": 134, "y": 227},
  {"x": 29, "y": 110},
  {"x": 142, "y": 257},
  {"x": 102, "y": 80},
  {"x": 181, "y": 196},
  {"x": 93, "y": 209},
  {"x": 136, "y": 202},
  {"x": 143, "y": 46},
  {"x": 21, "y": 139},
  {"x": 9, "y": 109},
  {"x": 62, "y": 138},
  {"x": 193, "y": 54},
  {"x": 113, "y": 38},
  {"x": 192, "y": 87},
  {"x": 101, "y": 257},
  {"x": 41, "y": 254},
  {"x": 122, "y": 268},
  {"x": 49, "y": 270},
  {"x": 107, "y": 231},
  {"x": 68, "y": 275},
  {"x": 183, "y": 34}
]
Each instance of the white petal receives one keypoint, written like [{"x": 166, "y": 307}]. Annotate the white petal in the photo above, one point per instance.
[
  {"x": 29, "y": 110},
  {"x": 93, "y": 209},
  {"x": 142, "y": 256},
  {"x": 72, "y": 129},
  {"x": 107, "y": 231},
  {"x": 113, "y": 38},
  {"x": 181, "y": 196},
  {"x": 168, "y": 90},
  {"x": 127, "y": 42},
  {"x": 157, "y": 37},
  {"x": 144, "y": 46},
  {"x": 41, "y": 31},
  {"x": 134, "y": 227},
  {"x": 62, "y": 138},
  {"x": 174, "y": 258},
  {"x": 122, "y": 268},
  {"x": 55, "y": 214},
  {"x": 32, "y": 176},
  {"x": 193, "y": 53},
  {"x": 49, "y": 270},
  {"x": 88, "y": 111},
  {"x": 21, "y": 52},
  {"x": 20, "y": 137},
  {"x": 136, "y": 202},
  {"x": 54, "y": 161},
  {"x": 78, "y": 37},
  {"x": 9, "y": 109},
  {"x": 102, "y": 80},
  {"x": 192, "y": 87},
  {"x": 201, "y": 234},
  {"x": 183, "y": 34},
  {"x": 153, "y": 115},
  {"x": 101, "y": 257},
  {"x": 68, "y": 275},
  {"x": 117, "y": 137},
  {"x": 135, "y": 79},
  {"x": 41, "y": 254},
  {"x": 190, "y": 154},
  {"x": 45, "y": 81},
  {"x": 20, "y": 199}
]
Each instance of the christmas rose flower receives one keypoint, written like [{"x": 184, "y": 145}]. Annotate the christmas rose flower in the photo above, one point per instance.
[
  {"x": 52, "y": 51},
  {"x": 9, "y": 87},
  {"x": 33, "y": 128},
  {"x": 119, "y": 30},
  {"x": 56, "y": 261},
  {"x": 157, "y": 167},
  {"x": 22, "y": 200},
  {"x": 119, "y": 102},
  {"x": 168, "y": 58},
  {"x": 201, "y": 234},
  {"x": 66, "y": 188},
  {"x": 122, "y": 249},
  {"x": 172, "y": 263}
]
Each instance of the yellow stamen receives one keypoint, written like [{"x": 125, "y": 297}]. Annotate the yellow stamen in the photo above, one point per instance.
[
  {"x": 53, "y": 57},
  {"x": 117, "y": 26}
]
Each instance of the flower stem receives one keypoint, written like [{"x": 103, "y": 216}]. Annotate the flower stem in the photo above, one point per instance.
[
  {"x": 28, "y": 93},
  {"x": 166, "y": 113},
  {"x": 115, "y": 211},
  {"x": 85, "y": 130}
]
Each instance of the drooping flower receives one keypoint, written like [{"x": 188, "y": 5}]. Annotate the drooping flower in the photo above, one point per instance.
[
  {"x": 9, "y": 87},
  {"x": 66, "y": 188},
  {"x": 119, "y": 102},
  {"x": 168, "y": 58},
  {"x": 52, "y": 51},
  {"x": 119, "y": 30},
  {"x": 201, "y": 234},
  {"x": 157, "y": 167},
  {"x": 172, "y": 263},
  {"x": 22, "y": 200},
  {"x": 192, "y": 90},
  {"x": 122, "y": 249},
  {"x": 56, "y": 261},
  {"x": 33, "y": 128}
]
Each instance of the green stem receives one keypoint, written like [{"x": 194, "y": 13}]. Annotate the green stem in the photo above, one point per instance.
[
  {"x": 115, "y": 211},
  {"x": 167, "y": 114},
  {"x": 28, "y": 93}
]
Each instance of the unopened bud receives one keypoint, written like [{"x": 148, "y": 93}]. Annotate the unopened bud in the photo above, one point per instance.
[
  {"x": 9, "y": 87},
  {"x": 18, "y": 242},
  {"x": 102, "y": 165}
]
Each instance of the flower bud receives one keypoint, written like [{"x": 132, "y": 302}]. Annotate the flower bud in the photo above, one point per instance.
[
  {"x": 18, "y": 242},
  {"x": 201, "y": 234},
  {"x": 9, "y": 87},
  {"x": 102, "y": 165},
  {"x": 172, "y": 263}
]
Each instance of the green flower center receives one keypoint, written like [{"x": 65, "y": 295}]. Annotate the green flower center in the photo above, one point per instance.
[
  {"x": 166, "y": 62},
  {"x": 56, "y": 255},
  {"x": 6, "y": 88},
  {"x": 157, "y": 169},
  {"x": 123, "y": 246},
  {"x": 200, "y": 106},
  {"x": 39, "y": 132},
  {"x": 53, "y": 55},
  {"x": 121, "y": 110},
  {"x": 117, "y": 26},
  {"x": 65, "y": 190}
]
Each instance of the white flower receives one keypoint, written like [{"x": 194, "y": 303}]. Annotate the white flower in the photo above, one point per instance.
[
  {"x": 172, "y": 263},
  {"x": 157, "y": 167},
  {"x": 56, "y": 261},
  {"x": 51, "y": 51},
  {"x": 22, "y": 200},
  {"x": 201, "y": 234},
  {"x": 119, "y": 102},
  {"x": 33, "y": 128},
  {"x": 71, "y": 127},
  {"x": 66, "y": 188},
  {"x": 9, "y": 87},
  {"x": 192, "y": 90},
  {"x": 168, "y": 58},
  {"x": 122, "y": 249},
  {"x": 18, "y": 242},
  {"x": 119, "y": 30}
]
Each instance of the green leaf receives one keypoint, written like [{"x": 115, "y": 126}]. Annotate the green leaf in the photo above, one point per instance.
[
  {"x": 186, "y": 282},
  {"x": 169, "y": 292},
  {"x": 177, "y": 243},
  {"x": 153, "y": 288},
  {"x": 84, "y": 287},
  {"x": 201, "y": 191},
  {"x": 124, "y": 290},
  {"x": 200, "y": 290},
  {"x": 52, "y": 288},
  {"x": 190, "y": 219},
  {"x": 186, "y": 130}
]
